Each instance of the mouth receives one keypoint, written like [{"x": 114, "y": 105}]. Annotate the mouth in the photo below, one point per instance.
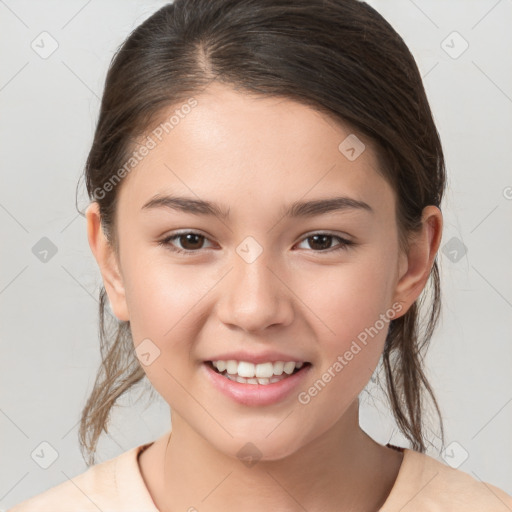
[
  {"x": 263, "y": 374},
  {"x": 257, "y": 385}
]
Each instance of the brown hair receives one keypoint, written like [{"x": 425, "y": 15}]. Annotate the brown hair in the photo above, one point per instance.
[{"x": 340, "y": 57}]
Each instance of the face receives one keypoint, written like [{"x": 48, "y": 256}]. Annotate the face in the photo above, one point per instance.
[{"x": 253, "y": 281}]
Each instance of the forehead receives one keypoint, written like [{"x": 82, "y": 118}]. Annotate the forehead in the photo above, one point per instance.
[{"x": 248, "y": 150}]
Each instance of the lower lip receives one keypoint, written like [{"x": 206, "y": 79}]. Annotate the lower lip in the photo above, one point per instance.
[{"x": 256, "y": 394}]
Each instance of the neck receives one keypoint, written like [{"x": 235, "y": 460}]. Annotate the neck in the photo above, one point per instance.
[{"x": 342, "y": 469}]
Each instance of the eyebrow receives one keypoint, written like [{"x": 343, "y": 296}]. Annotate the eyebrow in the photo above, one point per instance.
[{"x": 302, "y": 209}]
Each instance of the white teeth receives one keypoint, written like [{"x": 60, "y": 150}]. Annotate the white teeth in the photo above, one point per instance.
[
  {"x": 245, "y": 369},
  {"x": 278, "y": 368},
  {"x": 261, "y": 373},
  {"x": 289, "y": 367},
  {"x": 243, "y": 380},
  {"x": 231, "y": 366},
  {"x": 264, "y": 370}
]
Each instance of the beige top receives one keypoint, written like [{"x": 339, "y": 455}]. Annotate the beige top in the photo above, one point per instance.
[{"x": 423, "y": 484}]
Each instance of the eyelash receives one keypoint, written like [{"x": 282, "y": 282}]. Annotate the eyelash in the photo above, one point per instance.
[{"x": 166, "y": 242}]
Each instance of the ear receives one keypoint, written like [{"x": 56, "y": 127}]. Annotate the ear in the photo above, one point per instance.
[
  {"x": 105, "y": 257},
  {"x": 415, "y": 266}
]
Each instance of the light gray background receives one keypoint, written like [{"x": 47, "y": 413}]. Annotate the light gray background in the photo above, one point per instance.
[{"x": 50, "y": 350}]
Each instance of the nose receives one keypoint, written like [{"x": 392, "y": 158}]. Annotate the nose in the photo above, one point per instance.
[{"x": 254, "y": 295}]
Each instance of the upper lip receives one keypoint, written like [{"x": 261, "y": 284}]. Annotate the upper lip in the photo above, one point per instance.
[{"x": 263, "y": 357}]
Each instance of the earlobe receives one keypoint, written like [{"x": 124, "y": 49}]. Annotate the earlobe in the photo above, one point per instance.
[
  {"x": 420, "y": 258},
  {"x": 107, "y": 262}
]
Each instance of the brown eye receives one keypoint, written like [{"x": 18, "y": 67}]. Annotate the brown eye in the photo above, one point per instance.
[
  {"x": 322, "y": 242},
  {"x": 191, "y": 241},
  {"x": 187, "y": 242}
]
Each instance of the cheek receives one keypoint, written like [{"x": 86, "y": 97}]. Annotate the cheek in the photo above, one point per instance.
[
  {"x": 159, "y": 294},
  {"x": 354, "y": 320},
  {"x": 352, "y": 303},
  {"x": 349, "y": 297},
  {"x": 163, "y": 303}
]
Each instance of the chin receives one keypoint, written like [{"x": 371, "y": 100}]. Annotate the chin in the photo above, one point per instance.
[{"x": 250, "y": 449}]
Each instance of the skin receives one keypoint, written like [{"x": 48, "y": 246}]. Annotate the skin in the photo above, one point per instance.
[{"x": 255, "y": 155}]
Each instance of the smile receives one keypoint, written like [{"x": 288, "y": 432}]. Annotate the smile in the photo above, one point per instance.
[
  {"x": 240, "y": 380},
  {"x": 245, "y": 372}
]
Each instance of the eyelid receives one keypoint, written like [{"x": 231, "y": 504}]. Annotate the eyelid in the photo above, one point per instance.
[{"x": 327, "y": 232}]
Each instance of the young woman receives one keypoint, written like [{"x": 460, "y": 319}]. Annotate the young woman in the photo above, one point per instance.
[{"x": 265, "y": 184}]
